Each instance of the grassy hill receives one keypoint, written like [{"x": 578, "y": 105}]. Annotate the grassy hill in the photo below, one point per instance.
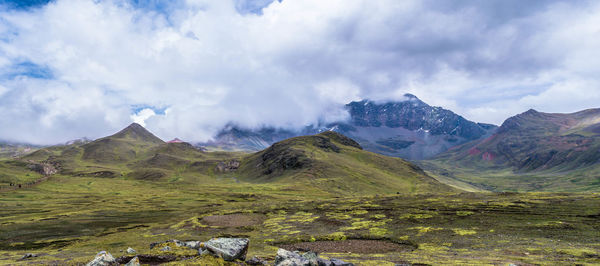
[
  {"x": 532, "y": 151},
  {"x": 334, "y": 163},
  {"x": 328, "y": 163}
]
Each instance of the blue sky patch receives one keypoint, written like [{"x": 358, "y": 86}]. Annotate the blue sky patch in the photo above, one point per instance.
[
  {"x": 135, "y": 109},
  {"x": 28, "y": 69}
]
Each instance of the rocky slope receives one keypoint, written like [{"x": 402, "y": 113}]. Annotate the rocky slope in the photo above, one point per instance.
[
  {"x": 410, "y": 129},
  {"x": 533, "y": 142}
]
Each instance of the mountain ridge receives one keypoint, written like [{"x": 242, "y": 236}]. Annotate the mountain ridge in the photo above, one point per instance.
[
  {"x": 409, "y": 129},
  {"x": 544, "y": 145}
]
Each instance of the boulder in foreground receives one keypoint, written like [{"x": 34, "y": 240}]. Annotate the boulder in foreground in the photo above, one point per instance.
[
  {"x": 229, "y": 249},
  {"x": 103, "y": 258}
]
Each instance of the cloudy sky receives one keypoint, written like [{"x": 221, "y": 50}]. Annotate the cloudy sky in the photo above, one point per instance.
[{"x": 185, "y": 68}]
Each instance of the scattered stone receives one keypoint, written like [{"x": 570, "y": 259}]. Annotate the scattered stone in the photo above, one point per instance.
[
  {"x": 134, "y": 262},
  {"x": 28, "y": 255},
  {"x": 324, "y": 262},
  {"x": 288, "y": 258},
  {"x": 256, "y": 261},
  {"x": 189, "y": 244},
  {"x": 148, "y": 259},
  {"x": 167, "y": 248},
  {"x": 131, "y": 250},
  {"x": 103, "y": 258},
  {"x": 229, "y": 249}
]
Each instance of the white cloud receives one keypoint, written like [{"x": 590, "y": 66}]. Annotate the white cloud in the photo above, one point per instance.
[
  {"x": 141, "y": 116},
  {"x": 295, "y": 64}
]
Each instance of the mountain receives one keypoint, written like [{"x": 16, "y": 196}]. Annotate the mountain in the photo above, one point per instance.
[
  {"x": 232, "y": 138},
  {"x": 122, "y": 146},
  {"x": 10, "y": 149},
  {"x": 133, "y": 152},
  {"x": 535, "y": 150},
  {"x": 333, "y": 162},
  {"x": 410, "y": 129},
  {"x": 328, "y": 163}
]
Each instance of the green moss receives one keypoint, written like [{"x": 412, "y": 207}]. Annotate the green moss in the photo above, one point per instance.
[
  {"x": 464, "y": 232},
  {"x": 464, "y": 213}
]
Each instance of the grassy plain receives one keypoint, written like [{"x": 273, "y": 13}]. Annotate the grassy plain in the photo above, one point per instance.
[{"x": 69, "y": 219}]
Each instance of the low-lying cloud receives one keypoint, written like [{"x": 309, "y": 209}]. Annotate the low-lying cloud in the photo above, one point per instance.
[{"x": 76, "y": 68}]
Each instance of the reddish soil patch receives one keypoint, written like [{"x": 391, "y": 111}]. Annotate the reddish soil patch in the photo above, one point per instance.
[
  {"x": 487, "y": 156},
  {"x": 353, "y": 246},
  {"x": 474, "y": 151},
  {"x": 233, "y": 220}
]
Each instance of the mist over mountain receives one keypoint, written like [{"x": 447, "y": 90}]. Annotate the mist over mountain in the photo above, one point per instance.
[{"x": 410, "y": 129}]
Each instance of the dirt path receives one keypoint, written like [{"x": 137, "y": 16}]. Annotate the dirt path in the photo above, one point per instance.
[{"x": 22, "y": 186}]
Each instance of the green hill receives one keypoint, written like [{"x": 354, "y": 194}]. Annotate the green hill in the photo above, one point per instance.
[
  {"x": 533, "y": 151},
  {"x": 334, "y": 163},
  {"x": 327, "y": 163}
]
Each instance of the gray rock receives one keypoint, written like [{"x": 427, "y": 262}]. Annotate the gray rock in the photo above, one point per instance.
[
  {"x": 134, "y": 262},
  {"x": 229, "y": 249},
  {"x": 324, "y": 262},
  {"x": 189, "y": 244},
  {"x": 131, "y": 250},
  {"x": 256, "y": 261},
  {"x": 311, "y": 257},
  {"x": 337, "y": 262},
  {"x": 167, "y": 248},
  {"x": 103, "y": 258},
  {"x": 28, "y": 255},
  {"x": 288, "y": 258}
]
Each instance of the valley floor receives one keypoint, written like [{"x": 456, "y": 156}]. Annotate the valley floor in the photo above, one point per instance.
[{"x": 67, "y": 220}]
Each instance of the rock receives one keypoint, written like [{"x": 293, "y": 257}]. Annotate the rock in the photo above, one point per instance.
[
  {"x": 324, "y": 262},
  {"x": 131, "y": 250},
  {"x": 28, "y": 255},
  {"x": 311, "y": 257},
  {"x": 103, "y": 258},
  {"x": 134, "y": 262},
  {"x": 167, "y": 248},
  {"x": 229, "y": 249},
  {"x": 230, "y": 166},
  {"x": 189, "y": 244},
  {"x": 256, "y": 261},
  {"x": 192, "y": 244},
  {"x": 288, "y": 258},
  {"x": 336, "y": 262}
]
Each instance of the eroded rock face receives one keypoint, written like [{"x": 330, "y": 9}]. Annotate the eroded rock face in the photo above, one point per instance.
[
  {"x": 228, "y": 166},
  {"x": 229, "y": 249},
  {"x": 45, "y": 169},
  {"x": 103, "y": 258}
]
